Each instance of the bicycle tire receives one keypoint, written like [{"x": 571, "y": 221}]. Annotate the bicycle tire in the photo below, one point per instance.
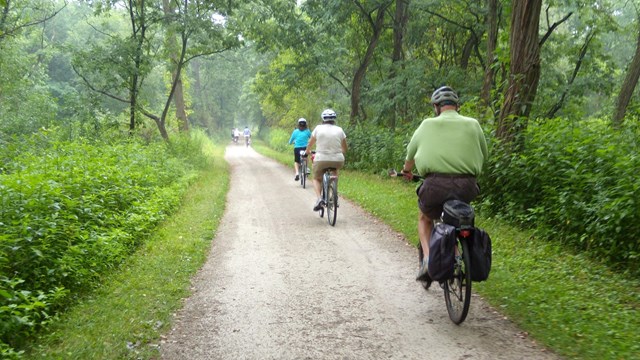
[
  {"x": 457, "y": 291},
  {"x": 303, "y": 174},
  {"x": 332, "y": 202}
]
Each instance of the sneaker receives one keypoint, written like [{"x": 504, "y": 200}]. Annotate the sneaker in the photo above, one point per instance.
[
  {"x": 319, "y": 205},
  {"x": 297, "y": 178},
  {"x": 423, "y": 274}
]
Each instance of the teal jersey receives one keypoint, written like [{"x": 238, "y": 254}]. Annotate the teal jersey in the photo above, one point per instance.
[
  {"x": 448, "y": 144},
  {"x": 300, "y": 138}
]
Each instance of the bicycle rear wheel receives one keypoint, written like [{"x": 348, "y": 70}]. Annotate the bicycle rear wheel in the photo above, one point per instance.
[
  {"x": 457, "y": 291},
  {"x": 332, "y": 202}
]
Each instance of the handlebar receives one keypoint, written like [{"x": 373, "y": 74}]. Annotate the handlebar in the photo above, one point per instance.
[{"x": 414, "y": 177}]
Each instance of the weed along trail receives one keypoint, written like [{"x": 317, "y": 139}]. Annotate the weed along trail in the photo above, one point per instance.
[{"x": 280, "y": 283}]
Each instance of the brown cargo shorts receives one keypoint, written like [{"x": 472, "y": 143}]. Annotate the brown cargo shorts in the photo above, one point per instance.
[
  {"x": 319, "y": 166},
  {"x": 436, "y": 189}
]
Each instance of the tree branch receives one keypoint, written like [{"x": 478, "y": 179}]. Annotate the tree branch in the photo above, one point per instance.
[
  {"x": 553, "y": 27},
  {"x": 36, "y": 22}
]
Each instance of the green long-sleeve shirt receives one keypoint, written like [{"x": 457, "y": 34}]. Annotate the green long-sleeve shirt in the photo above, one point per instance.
[{"x": 448, "y": 144}]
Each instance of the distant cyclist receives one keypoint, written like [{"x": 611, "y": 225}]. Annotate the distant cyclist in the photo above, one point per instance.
[
  {"x": 247, "y": 135},
  {"x": 449, "y": 151},
  {"x": 331, "y": 145},
  {"x": 299, "y": 139}
]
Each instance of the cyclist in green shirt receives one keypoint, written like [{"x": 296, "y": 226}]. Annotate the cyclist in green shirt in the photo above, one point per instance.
[{"x": 449, "y": 151}]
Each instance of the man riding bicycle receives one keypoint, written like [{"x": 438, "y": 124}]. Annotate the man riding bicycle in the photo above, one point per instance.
[
  {"x": 331, "y": 145},
  {"x": 449, "y": 151}
]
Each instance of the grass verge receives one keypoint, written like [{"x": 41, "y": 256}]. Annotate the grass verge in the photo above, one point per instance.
[
  {"x": 571, "y": 304},
  {"x": 125, "y": 318}
]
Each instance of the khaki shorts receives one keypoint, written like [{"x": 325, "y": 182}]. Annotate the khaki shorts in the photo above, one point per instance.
[
  {"x": 319, "y": 166},
  {"x": 437, "y": 189}
]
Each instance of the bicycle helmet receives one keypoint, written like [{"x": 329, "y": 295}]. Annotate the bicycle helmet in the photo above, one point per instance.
[
  {"x": 302, "y": 121},
  {"x": 328, "y": 115},
  {"x": 445, "y": 96}
]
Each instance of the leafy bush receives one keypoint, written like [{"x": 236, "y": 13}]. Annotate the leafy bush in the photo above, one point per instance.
[
  {"x": 375, "y": 149},
  {"x": 278, "y": 139},
  {"x": 578, "y": 181},
  {"x": 70, "y": 211}
]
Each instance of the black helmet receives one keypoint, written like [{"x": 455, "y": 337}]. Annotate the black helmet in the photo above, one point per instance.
[{"x": 445, "y": 96}]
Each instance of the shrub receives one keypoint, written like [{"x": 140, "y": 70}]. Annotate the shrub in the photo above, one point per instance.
[
  {"x": 71, "y": 211},
  {"x": 576, "y": 180},
  {"x": 278, "y": 139}
]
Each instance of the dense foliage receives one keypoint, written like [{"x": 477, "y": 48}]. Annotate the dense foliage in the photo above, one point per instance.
[
  {"x": 577, "y": 182},
  {"x": 70, "y": 211}
]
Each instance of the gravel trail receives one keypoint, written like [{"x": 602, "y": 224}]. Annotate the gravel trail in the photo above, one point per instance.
[{"x": 280, "y": 283}]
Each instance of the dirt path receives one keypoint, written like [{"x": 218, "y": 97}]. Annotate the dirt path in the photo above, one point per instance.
[{"x": 280, "y": 283}]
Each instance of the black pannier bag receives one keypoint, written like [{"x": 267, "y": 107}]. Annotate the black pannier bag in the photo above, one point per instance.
[
  {"x": 441, "y": 252},
  {"x": 480, "y": 251},
  {"x": 458, "y": 213}
]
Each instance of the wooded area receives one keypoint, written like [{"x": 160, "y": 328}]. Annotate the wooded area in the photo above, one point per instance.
[{"x": 553, "y": 84}]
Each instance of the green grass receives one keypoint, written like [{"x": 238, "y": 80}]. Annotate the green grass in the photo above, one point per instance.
[
  {"x": 572, "y": 304},
  {"x": 126, "y": 316}
]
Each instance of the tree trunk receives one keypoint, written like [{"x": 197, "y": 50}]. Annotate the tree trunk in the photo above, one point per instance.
[
  {"x": 178, "y": 96},
  {"x": 628, "y": 87},
  {"x": 181, "y": 112},
  {"x": 467, "y": 50},
  {"x": 524, "y": 69},
  {"x": 492, "y": 41},
  {"x": 399, "y": 27},
  {"x": 377, "y": 28}
]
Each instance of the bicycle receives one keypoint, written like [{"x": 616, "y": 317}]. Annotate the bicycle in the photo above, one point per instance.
[
  {"x": 457, "y": 289},
  {"x": 330, "y": 195},
  {"x": 303, "y": 169}
]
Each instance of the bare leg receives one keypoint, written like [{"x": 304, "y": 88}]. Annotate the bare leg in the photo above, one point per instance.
[
  {"x": 425, "y": 225},
  {"x": 317, "y": 186},
  {"x": 297, "y": 167}
]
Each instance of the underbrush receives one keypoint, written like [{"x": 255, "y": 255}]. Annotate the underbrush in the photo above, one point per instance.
[
  {"x": 72, "y": 211},
  {"x": 576, "y": 184}
]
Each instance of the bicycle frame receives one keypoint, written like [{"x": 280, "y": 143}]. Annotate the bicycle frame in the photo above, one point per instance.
[
  {"x": 303, "y": 169},
  {"x": 330, "y": 195}
]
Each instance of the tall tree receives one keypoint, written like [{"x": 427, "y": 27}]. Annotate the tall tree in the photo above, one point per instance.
[
  {"x": 123, "y": 61},
  {"x": 401, "y": 17},
  {"x": 375, "y": 17},
  {"x": 171, "y": 46},
  {"x": 524, "y": 74},
  {"x": 628, "y": 86},
  {"x": 492, "y": 42},
  {"x": 524, "y": 69}
]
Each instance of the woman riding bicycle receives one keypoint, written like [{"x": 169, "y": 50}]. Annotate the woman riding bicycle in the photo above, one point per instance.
[
  {"x": 449, "y": 151},
  {"x": 299, "y": 138},
  {"x": 331, "y": 145}
]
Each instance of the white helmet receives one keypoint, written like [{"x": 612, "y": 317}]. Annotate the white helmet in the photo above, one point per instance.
[
  {"x": 328, "y": 115},
  {"x": 302, "y": 121}
]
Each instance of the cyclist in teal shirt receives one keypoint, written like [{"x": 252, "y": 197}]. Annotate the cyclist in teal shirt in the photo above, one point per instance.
[{"x": 299, "y": 139}]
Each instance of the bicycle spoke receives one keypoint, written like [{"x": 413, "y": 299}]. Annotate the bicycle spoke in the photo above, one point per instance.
[{"x": 457, "y": 291}]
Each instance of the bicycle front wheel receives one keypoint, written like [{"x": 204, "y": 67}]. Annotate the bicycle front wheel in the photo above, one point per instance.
[
  {"x": 303, "y": 174},
  {"x": 332, "y": 202},
  {"x": 457, "y": 291}
]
